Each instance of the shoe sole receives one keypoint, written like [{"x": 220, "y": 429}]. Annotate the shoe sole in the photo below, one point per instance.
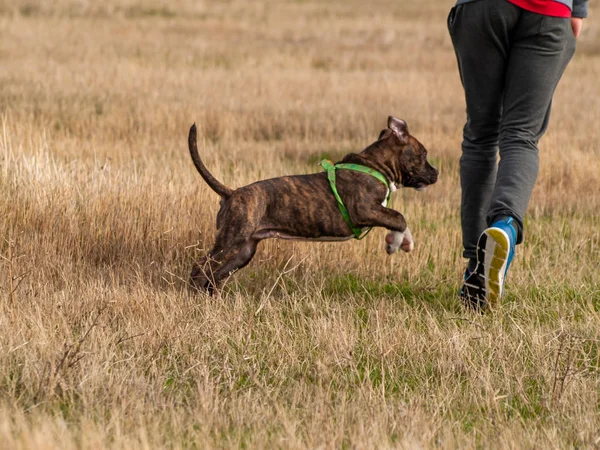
[{"x": 492, "y": 253}]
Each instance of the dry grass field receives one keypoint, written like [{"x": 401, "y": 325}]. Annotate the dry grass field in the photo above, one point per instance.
[{"x": 311, "y": 345}]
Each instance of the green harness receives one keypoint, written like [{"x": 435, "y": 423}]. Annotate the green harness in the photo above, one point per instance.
[{"x": 331, "y": 168}]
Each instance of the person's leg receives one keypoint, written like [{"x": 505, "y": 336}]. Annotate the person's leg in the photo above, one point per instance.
[
  {"x": 481, "y": 35},
  {"x": 541, "y": 49}
]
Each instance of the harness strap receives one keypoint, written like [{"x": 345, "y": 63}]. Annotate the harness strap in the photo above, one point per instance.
[{"x": 331, "y": 168}]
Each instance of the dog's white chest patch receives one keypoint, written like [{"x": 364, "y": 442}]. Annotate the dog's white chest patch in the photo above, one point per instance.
[
  {"x": 392, "y": 188},
  {"x": 385, "y": 200}
]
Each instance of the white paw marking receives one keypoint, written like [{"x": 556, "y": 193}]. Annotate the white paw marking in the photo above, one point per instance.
[
  {"x": 408, "y": 245},
  {"x": 395, "y": 240}
]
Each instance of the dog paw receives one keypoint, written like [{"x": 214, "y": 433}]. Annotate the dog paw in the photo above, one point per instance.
[
  {"x": 395, "y": 240},
  {"x": 408, "y": 245}
]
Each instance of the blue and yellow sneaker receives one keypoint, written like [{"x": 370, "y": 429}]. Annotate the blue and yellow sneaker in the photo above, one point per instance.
[{"x": 495, "y": 252}]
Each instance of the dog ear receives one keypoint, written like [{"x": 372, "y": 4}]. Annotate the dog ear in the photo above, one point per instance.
[
  {"x": 384, "y": 133},
  {"x": 399, "y": 127}
]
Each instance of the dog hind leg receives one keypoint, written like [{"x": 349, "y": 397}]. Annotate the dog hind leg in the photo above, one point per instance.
[
  {"x": 220, "y": 264},
  {"x": 238, "y": 257},
  {"x": 202, "y": 273}
]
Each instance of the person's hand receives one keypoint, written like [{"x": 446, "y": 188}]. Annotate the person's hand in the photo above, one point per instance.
[{"x": 576, "y": 25}]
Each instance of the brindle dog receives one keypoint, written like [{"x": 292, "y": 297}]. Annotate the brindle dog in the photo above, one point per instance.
[{"x": 303, "y": 207}]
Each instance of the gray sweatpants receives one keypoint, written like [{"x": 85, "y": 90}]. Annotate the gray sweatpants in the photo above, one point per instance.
[{"x": 510, "y": 61}]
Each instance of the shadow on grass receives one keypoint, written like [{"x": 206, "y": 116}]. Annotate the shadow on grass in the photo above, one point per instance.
[{"x": 442, "y": 294}]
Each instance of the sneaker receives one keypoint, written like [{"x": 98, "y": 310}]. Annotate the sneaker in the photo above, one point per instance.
[{"x": 495, "y": 251}]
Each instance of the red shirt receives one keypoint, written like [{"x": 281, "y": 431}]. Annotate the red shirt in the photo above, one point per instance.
[{"x": 545, "y": 7}]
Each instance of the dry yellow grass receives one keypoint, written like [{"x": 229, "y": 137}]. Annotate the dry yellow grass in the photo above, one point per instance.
[{"x": 312, "y": 345}]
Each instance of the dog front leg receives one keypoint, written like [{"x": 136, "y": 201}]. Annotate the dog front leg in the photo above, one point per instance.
[{"x": 399, "y": 236}]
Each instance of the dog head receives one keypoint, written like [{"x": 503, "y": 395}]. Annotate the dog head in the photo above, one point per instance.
[{"x": 406, "y": 156}]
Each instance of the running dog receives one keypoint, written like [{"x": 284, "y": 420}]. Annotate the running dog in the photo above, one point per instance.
[{"x": 311, "y": 207}]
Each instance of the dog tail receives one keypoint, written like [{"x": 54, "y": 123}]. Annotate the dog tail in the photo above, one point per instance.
[{"x": 215, "y": 184}]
